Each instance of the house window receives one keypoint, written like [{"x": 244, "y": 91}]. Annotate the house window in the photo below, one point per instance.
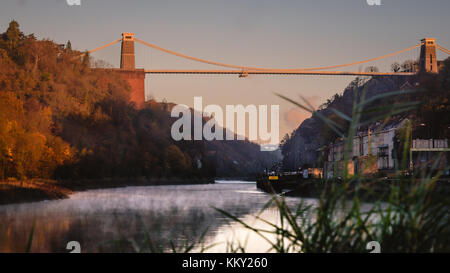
[
  {"x": 383, "y": 157},
  {"x": 361, "y": 148}
]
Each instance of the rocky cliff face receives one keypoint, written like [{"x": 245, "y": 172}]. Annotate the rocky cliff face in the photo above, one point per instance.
[{"x": 301, "y": 148}]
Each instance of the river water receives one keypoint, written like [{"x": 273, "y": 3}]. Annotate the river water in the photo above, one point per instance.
[{"x": 134, "y": 219}]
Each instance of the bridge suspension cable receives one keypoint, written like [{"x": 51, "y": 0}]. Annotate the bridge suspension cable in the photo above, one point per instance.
[
  {"x": 245, "y": 68},
  {"x": 443, "y": 49},
  {"x": 364, "y": 61},
  {"x": 102, "y": 47}
]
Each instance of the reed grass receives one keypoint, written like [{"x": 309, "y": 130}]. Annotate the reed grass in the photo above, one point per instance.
[{"x": 410, "y": 220}]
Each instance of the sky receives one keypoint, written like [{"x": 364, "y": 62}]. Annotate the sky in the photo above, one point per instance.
[{"x": 263, "y": 33}]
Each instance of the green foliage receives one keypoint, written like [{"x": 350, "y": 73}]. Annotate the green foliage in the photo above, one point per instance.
[{"x": 402, "y": 144}]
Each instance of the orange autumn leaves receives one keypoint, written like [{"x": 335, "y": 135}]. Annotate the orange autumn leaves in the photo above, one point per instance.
[{"x": 27, "y": 147}]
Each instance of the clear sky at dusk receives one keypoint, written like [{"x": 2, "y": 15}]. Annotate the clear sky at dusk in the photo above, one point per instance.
[{"x": 284, "y": 34}]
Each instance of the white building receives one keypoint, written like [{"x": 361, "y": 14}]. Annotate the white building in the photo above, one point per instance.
[{"x": 372, "y": 150}]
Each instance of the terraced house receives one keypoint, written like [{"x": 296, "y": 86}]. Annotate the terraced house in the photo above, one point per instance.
[{"x": 373, "y": 151}]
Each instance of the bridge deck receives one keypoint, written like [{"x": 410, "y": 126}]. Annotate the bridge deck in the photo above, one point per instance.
[
  {"x": 275, "y": 72},
  {"x": 263, "y": 72}
]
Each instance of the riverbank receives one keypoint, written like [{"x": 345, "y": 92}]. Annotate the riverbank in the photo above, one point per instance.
[
  {"x": 13, "y": 191},
  {"x": 33, "y": 190},
  {"x": 104, "y": 183},
  {"x": 370, "y": 190}
]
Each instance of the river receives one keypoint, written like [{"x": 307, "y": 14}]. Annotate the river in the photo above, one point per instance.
[{"x": 135, "y": 219}]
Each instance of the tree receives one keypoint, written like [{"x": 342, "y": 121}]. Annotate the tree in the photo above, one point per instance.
[
  {"x": 176, "y": 160},
  {"x": 61, "y": 119},
  {"x": 445, "y": 74},
  {"x": 69, "y": 46},
  {"x": 400, "y": 151},
  {"x": 11, "y": 40},
  {"x": 13, "y": 34},
  {"x": 86, "y": 62},
  {"x": 408, "y": 66},
  {"x": 395, "y": 67},
  {"x": 372, "y": 68}
]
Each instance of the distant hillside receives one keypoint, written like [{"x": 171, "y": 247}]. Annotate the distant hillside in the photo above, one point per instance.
[
  {"x": 300, "y": 148},
  {"x": 59, "y": 118}
]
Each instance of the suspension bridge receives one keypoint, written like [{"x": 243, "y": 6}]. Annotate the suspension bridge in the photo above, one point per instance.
[{"x": 136, "y": 77}]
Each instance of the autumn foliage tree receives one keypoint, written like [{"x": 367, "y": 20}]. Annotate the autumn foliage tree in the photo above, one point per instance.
[
  {"x": 60, "y": 118},
  {"x": 63, "y": 116}
]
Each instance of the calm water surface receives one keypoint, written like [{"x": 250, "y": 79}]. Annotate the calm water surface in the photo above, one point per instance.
[{"x": 133, "y": 219}]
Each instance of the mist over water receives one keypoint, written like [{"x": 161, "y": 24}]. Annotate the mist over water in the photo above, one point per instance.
[{"x": 116, "y": 220}]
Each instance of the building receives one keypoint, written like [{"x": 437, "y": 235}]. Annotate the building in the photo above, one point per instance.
[
  {"x": 372, "y": 151},
  {"x": 424, "y": 153}
]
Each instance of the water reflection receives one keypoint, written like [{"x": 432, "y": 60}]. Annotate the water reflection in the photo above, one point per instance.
[{"x": 134, "y": 218}]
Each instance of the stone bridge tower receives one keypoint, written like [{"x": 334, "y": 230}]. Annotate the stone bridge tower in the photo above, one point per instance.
[
  {"x": 127, "y": 59},
  {"x": 428, "y": 62},
  {"x": 134, "y": 77}
]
